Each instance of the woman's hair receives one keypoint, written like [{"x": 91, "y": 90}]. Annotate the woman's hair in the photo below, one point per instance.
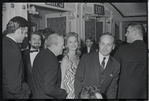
[{"x": 78, "y": 52}]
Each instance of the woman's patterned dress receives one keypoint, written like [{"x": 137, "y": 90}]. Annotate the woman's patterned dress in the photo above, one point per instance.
[{"x": 69, "y": 80}]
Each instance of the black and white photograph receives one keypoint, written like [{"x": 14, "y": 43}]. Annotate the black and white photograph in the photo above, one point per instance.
[{"x": 75, "y": 50}]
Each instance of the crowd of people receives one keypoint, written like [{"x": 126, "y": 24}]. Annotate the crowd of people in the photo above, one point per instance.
[{"x": 54, "y": 66}]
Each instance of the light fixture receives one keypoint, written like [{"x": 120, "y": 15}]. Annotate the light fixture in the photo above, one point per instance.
[
  {"x": 98, "y": 18},
  {"x": 71, "y": 15},
  {"x": 87, "y": 18},
  {"x": 32, "y": 10},
  {"x": 108, "y": 21}
]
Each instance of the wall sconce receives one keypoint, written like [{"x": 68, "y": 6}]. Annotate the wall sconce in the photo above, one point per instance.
[
  {"x": 98, "y": 18},
  {"x": 23, "y": 7},
  {"x": 87, "y": 18},
  {"x": 32, "y": 10},
  {"x": 71, "y": 16},
  {"x": 109, "y": 20}
]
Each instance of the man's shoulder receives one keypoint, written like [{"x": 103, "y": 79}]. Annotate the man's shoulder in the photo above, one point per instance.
[
  {"x": 125, "y": 46},
  {"x": 90, "y": 55},
  {"x": 8, "y": 42},
  {"x": 114, "y": 61},
  {"x": 45, "y": 53}
]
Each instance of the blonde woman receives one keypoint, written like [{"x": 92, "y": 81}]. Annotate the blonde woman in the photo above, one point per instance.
[{"x": 69, "y": 63}]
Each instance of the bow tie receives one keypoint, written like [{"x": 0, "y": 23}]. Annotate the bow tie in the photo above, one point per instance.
[{"x": 31, "y": 51}]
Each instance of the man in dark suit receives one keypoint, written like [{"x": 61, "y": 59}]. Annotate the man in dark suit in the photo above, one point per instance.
[
  {"x": 30, "y": 54},
  {"x": 13, "y": 85},
  {"x": 90, "y": 46},
  {"x": 99, "y": 69},
  {"x": 46, "y": 70},
  {"x": 133, "y": 60}
]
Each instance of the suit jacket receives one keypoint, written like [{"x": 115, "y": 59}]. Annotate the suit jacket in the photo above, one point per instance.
[
  {"x": 13, "y": 84},
  {"x": 47, "y": 76},
  {"x": 27, "y": 68},
  {"x": 93, "y": 48},
  {"x": 133, "y": 59},
  {"x": 89, "y": 74}
]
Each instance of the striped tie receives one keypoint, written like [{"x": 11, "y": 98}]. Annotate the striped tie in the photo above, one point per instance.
[{"x": 103, "y": 63}]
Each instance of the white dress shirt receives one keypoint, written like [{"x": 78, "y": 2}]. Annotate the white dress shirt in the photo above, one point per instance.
[
  {"x": 32, "y": 57},
  {"x": 88, "y": 49}
]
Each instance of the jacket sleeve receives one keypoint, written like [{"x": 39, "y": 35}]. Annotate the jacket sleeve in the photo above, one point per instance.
[
  {"x": 79, "y": 77},
  {"x": 13, "y": 73},
  {"x": 51, "y": 77},
  {"x": 118, "y": 54},
  {"x": 112, "y": 91}
]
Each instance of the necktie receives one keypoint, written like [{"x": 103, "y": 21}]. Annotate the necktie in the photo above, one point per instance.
[
  {"x": 31, "y": 51},
  {"x": 103, "y": 63}
]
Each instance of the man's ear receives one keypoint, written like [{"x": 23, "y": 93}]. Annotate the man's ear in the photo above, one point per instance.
[{"x": 18, "y": 31}]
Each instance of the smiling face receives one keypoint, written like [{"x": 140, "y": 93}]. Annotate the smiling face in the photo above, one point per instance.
[
  {"x": 106, "y": 45},
  {"x": 72, "y": 43},
  {"x": 35, "y": 41}
]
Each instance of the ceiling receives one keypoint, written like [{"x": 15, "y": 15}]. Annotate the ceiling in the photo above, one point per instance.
[{"x": 131, "y": 9}]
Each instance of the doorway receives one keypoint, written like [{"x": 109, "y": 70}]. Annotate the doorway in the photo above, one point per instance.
[{"x": 93, "y": 27}]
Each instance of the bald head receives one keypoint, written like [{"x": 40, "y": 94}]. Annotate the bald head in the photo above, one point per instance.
[
  {"x": 106, "y": 44},
  {"x": 135, "y": 31},
  {"x": 138, "y": 28},
  {"x": 55, "y": 43},
  {"x": 53, "y": 39},
  {"x": 108, "y": 36}
]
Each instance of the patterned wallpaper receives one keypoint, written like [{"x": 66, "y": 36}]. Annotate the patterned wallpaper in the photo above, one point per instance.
[
  {"x": 99, "y": 30},
  {"x": 90, "y": 28},
  {"x": 57, "y": 24}
]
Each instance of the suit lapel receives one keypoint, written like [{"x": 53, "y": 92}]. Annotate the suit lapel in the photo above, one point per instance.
[
  {"x": 109, "y": 67},
  {"x": 108, "y": 70},
  {"x": 29, "y": 62},
  {"x": 96, "y": 65}
]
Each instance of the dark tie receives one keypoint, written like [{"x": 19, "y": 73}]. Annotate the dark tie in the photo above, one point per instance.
[
  {"x": 31, "y": 51},
  {"x": 103, "y": 63}
]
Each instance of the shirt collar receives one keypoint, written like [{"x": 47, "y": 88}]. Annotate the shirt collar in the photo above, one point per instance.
[
  {"x": 101, "y": 57},
  {"x": 11, "y": 38}
]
